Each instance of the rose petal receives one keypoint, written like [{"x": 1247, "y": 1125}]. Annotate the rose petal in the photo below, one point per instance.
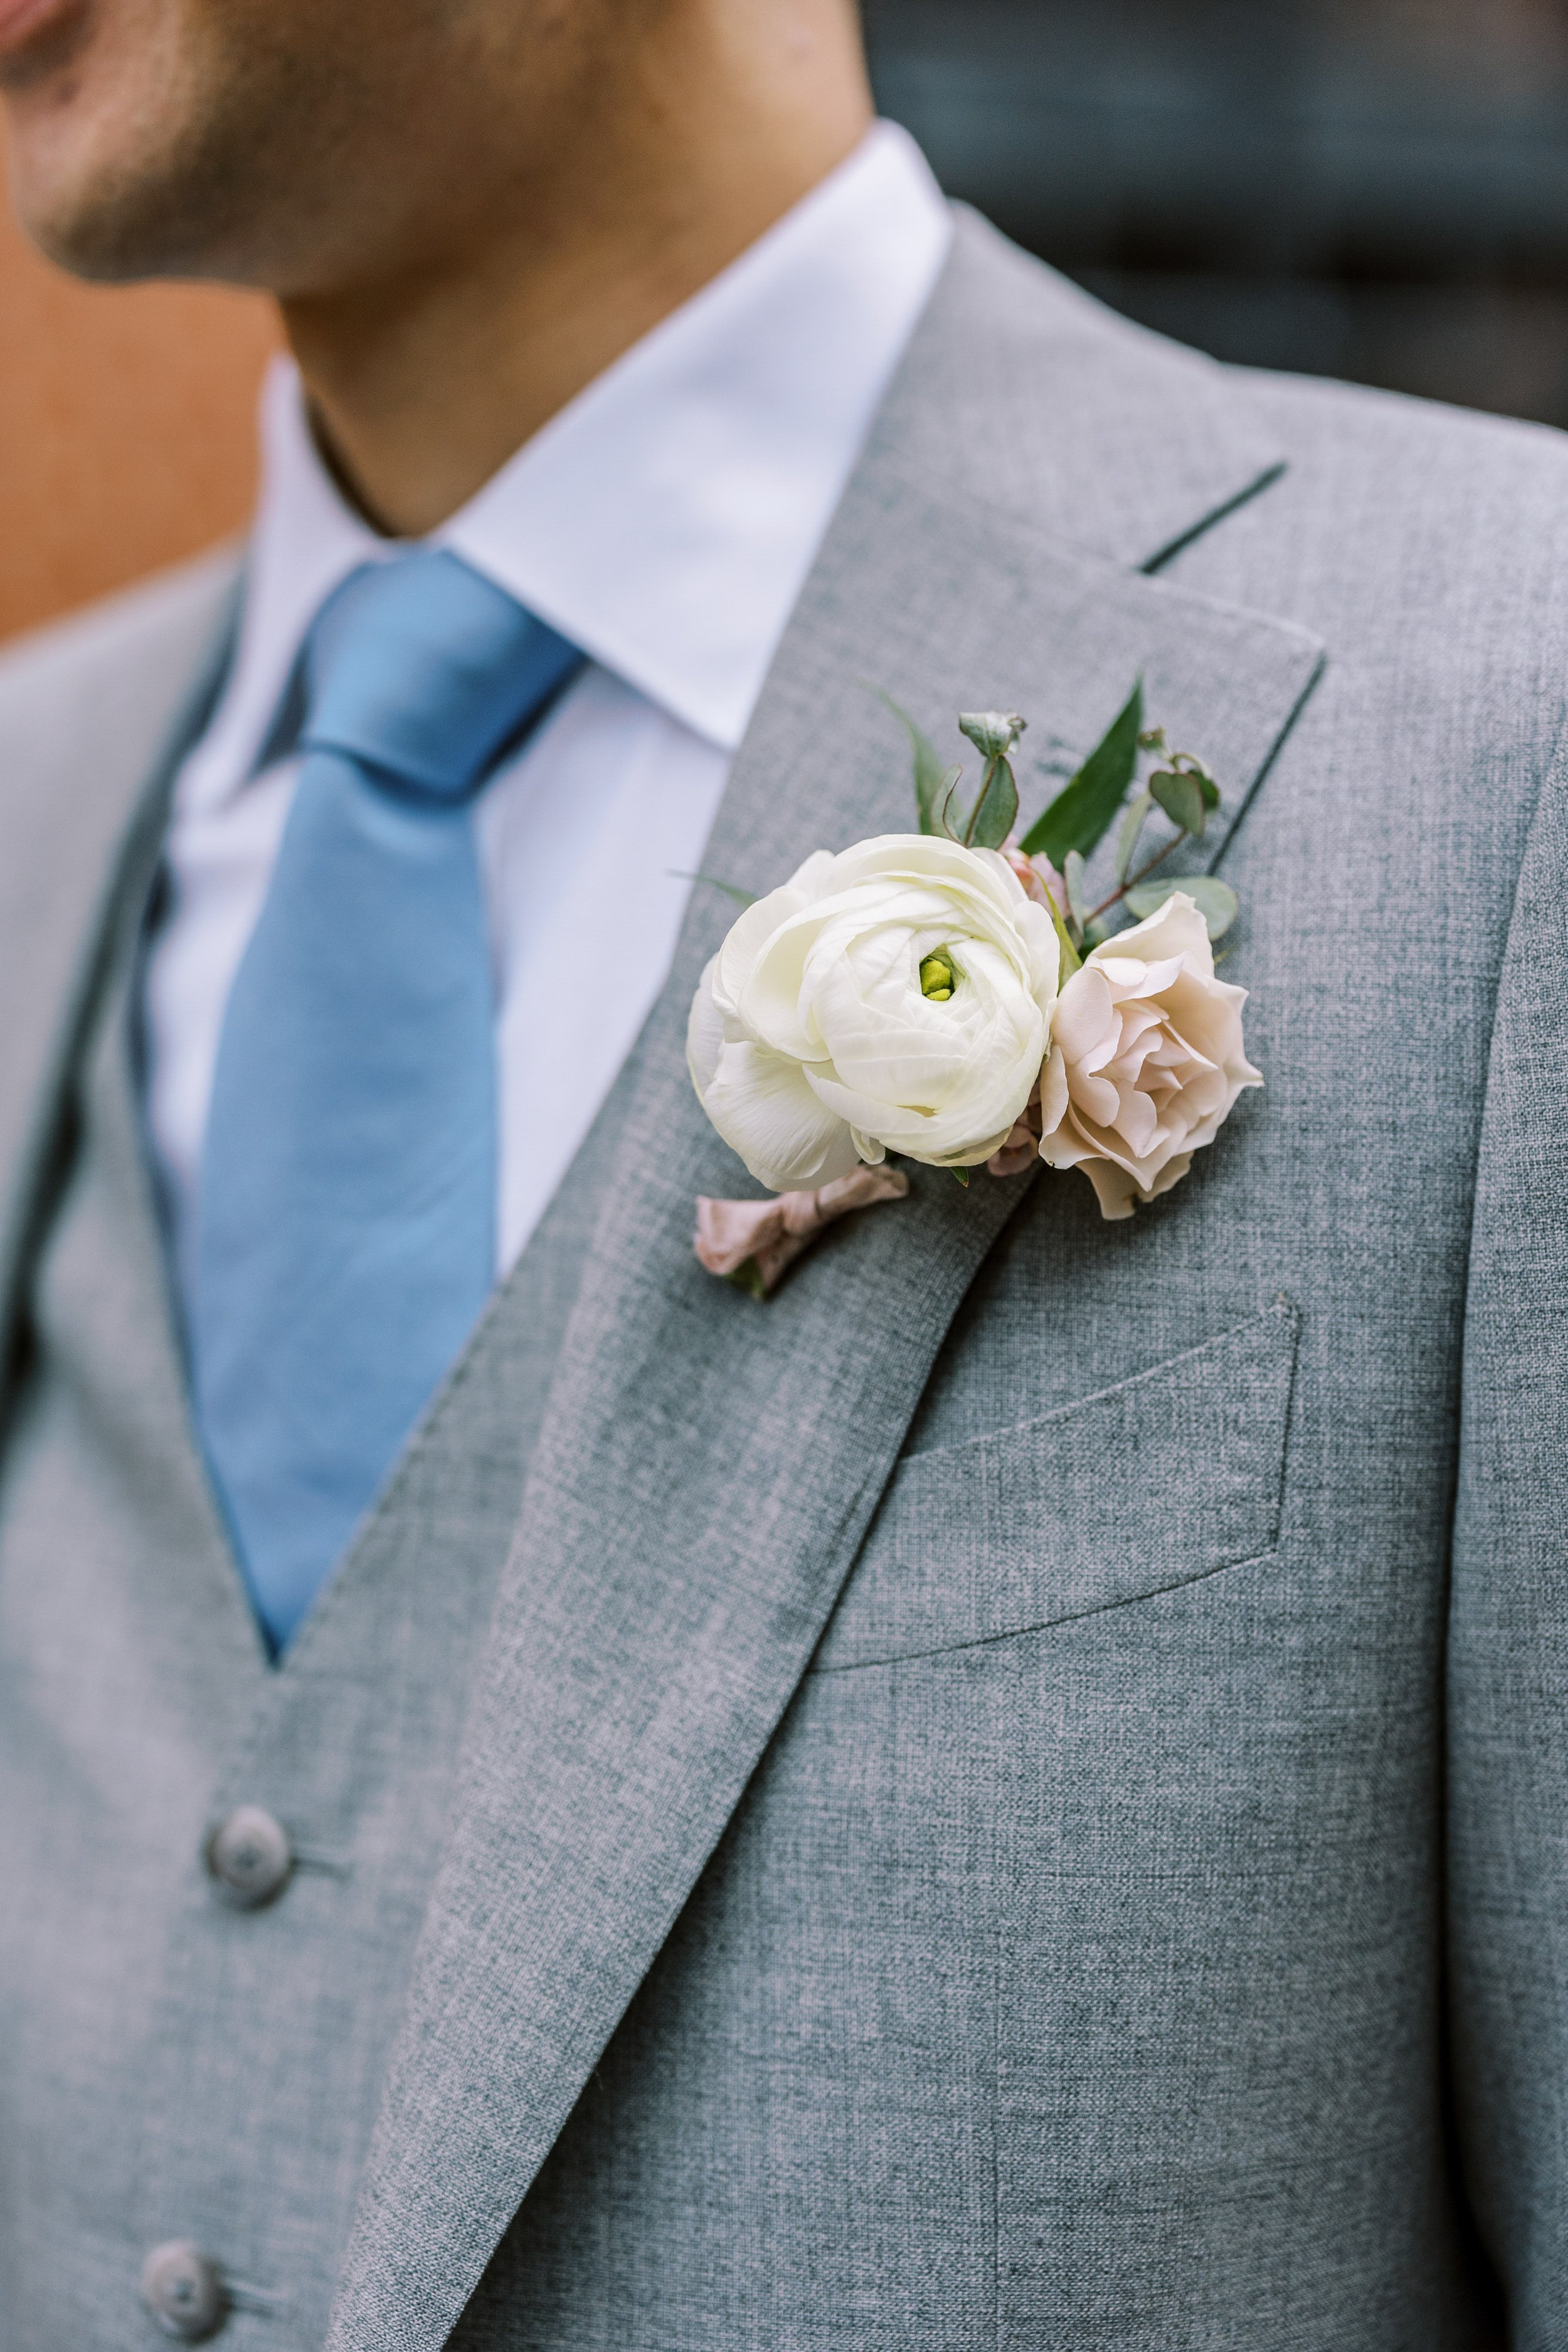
[
  {"x": 1132, "y": 1096},
  {"x": 1054, "y": 1096},
  {"x": 1114, "y": 1188},
  {"x": 1085, "y": 1016},
  {"x": 1175, "y": 929}
]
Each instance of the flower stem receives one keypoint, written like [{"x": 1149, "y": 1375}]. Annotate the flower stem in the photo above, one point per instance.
[{"x": 1133, "y": 879}]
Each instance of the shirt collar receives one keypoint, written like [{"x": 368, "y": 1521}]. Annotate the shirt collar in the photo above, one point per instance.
[{"x": 667, "y": 519}]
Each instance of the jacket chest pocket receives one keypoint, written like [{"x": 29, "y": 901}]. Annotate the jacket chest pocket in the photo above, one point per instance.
[{"x": 1154, "y": 1483}]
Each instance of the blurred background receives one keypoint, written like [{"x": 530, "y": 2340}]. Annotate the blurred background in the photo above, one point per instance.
[
  {"x": 126, "y": 428},
  {"x": 1368, "y": 188},
  {"x": 1375, "y": 189}
]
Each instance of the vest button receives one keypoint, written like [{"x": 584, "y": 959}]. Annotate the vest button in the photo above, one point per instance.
[
  {"x": 248, "y": 1855},
  {"x": 183, "y": 2290}
]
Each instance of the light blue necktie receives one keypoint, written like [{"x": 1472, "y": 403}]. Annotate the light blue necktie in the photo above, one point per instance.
[{"x": 345, "y": 1233}]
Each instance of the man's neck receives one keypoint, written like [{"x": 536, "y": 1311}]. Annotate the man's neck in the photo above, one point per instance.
[{"x": 423, "y": 384}]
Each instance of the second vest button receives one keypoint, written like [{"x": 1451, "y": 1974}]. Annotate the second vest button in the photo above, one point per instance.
[{"x": 249, "y": 1855}]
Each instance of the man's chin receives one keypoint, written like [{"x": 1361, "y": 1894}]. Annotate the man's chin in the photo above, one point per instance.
[
  {"x": 101, "y": 173},
  {"x": 96, "y": 223},
  {"x": 88, "y": 242},
  {"x": 111, "y": 208}
]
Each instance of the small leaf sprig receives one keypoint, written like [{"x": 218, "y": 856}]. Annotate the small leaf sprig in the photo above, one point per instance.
[
  {"x": 995, "y": 814},
  {"x": 1062, "y": 839}
]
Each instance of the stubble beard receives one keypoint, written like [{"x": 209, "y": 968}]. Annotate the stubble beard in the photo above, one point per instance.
[{"x": 227, "y": 153}]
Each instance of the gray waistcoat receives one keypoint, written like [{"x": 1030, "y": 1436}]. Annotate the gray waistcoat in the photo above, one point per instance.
[{"x": 157, "y": 2035}]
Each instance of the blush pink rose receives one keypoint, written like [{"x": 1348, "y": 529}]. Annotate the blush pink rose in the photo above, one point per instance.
[{"x": 1145, "y": 1061}]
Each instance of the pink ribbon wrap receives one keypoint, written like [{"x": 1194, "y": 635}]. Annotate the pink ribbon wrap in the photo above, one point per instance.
[{"x": 769, "y": 1236}]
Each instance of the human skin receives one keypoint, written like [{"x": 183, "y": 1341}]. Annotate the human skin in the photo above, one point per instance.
[{"x": 466, "y": 208}]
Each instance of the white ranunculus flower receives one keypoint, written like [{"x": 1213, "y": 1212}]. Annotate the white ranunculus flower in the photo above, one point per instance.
[
  {"x": 1146, "y": 1059},
  {"x": 894, "y": 998}
]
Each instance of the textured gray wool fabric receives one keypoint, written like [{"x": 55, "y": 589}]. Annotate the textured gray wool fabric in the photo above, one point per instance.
[
  {"x": 145, "y": 2018},
  {"x": 991, "y": 1801}
]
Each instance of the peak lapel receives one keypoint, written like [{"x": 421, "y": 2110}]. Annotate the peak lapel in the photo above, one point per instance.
[
  {"x": 1024, "y": 395},
  {"x": 708, "y": 1465},
  {"x": 92, "y": 720}
]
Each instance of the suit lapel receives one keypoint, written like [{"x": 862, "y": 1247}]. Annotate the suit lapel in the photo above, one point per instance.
[
  {"x": 91, "y": 727},
  {"x": 707, "y": 1467}
]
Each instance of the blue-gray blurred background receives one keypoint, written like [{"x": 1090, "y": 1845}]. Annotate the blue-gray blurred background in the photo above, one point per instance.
[{"x": 1375, "y": 189}]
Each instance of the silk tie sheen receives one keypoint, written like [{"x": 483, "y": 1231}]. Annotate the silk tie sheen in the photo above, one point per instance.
[{"x": 345, "y": 1228}]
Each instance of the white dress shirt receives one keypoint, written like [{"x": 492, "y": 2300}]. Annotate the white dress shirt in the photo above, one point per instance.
[{"x": 665, "y": 522}]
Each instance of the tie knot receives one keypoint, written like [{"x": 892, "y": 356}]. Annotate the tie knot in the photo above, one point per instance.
[{"x": 425, "y": 671}]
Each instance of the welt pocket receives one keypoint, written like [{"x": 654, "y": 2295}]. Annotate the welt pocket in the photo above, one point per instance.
[{"x": 1156, "y": 1481}]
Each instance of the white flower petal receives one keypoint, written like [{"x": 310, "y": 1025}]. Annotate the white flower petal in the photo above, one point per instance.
[
  {"x": 822, "y": 979},
  {"x": 763, "y": 1108},
  {"x": 704, "y": 1033}
]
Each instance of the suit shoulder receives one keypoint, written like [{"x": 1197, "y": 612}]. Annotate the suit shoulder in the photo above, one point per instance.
[
  {"x": 1067, "y": 369},
  {"x": 1300, "y": 413},
  {"x": 1424, "y": 447},
  {"x": 1426, "y": 546}
]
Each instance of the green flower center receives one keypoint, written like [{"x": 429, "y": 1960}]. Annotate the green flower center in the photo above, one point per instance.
[{"x": 939, "y": 976}]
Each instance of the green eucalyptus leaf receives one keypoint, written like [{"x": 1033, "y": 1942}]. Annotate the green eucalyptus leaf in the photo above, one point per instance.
[
  {"x": 1181, "y": 798},
  {"x": 1085, "y": 809},
  {"x": 930, "y": 774},
  {"x": 1072, "y": 875},
  {"x": 731, "y": 889},
  {"x": 1132, "y": 825},
  {"x": 1187, "y": 763},
  {"x": 996, "y": 809},
  {"x": 1215, "y": 900}
]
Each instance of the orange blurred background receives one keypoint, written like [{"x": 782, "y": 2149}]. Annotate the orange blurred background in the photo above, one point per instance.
[{"x": 127, "y": 431}]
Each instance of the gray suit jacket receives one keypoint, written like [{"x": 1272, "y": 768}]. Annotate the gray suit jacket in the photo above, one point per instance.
[{"x": 1015, "y": 1796}]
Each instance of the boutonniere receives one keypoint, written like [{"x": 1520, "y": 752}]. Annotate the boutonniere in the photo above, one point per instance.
[{"x": 950, "y": 997}]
